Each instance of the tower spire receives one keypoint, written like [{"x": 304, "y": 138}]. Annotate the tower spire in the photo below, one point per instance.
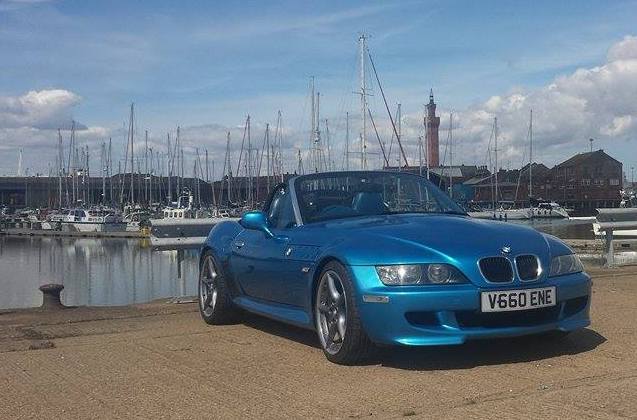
[{"x": 432, "y": 123}]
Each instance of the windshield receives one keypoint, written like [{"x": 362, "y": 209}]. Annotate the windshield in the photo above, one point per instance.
[{"x": 349, "y": 194}]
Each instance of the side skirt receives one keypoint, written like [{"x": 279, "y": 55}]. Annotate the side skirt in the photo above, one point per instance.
[{"x": 284, "y": 313}]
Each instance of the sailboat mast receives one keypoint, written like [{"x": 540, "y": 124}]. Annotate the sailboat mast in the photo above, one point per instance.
[
  {"x": 451, "y": 154},
  {"x": 249, "y": 161},
  {"x": 228, "y": 168},
  {"x": 313, "y": 129},
  {"x": 399, "y": 118},
  {"x": 103, "y": 167},
  {"x": 60, "y": 159},
  {"x": 110, "y": 170},
  {"x": 132, "y": 151},
  {"x": 420, "y": 155},
  {"x": 207, "y": 168},
  {"x": 363, "y": 48},
  {"x": 531, "y": 154},
  {"x": 495, "y": 137},
  {"x": 267, "y": 156},
  {"x": 169, "y": 170},
  {"x": 318, "y": 155},
  {"x": 146, "y": 166},
  {"x": 347, "y": 141}
]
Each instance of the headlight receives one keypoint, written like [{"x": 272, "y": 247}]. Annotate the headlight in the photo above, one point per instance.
[
  {"x": 565, "y": 264},
  {"x": 405, "y": 275}
]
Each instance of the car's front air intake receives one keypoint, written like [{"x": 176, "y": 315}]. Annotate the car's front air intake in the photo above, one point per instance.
[
  {"x": 528, "y": 267},
  {"x": 496, "y": 269}
]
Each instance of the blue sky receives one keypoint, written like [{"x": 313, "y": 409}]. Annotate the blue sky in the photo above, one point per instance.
[{"x": 212, "y": 62}]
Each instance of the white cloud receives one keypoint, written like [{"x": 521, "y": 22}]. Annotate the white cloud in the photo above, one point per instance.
[
  {"x": 598, "y": 102},
  {"x": 30, "y": 122},
  {"x": 626, "y": 49},
  {"x": 38, "y": 109}
]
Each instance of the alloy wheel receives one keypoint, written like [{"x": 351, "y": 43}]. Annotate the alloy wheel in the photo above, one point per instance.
[
  {"x": 208, "y": 287},
  {"x": 331, "y": 312}
]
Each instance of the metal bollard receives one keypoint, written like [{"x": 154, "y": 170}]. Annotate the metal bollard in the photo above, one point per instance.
[{"x": 51, "y": 296}]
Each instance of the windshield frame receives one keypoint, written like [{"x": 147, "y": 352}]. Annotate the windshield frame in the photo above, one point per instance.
[{"x": 459, "y": 211}]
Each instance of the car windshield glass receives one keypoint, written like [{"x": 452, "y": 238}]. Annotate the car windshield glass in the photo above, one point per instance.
[{"x": 350, "y": 194}]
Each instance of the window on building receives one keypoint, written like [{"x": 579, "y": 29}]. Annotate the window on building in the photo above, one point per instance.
[
  {"x": 586, "y": 181},
  {"x": 613, "y": 181}
]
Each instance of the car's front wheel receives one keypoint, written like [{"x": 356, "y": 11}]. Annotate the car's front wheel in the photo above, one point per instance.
[
  {"x": 340, "y": 331},
  {"x": 215, "y": 303}
]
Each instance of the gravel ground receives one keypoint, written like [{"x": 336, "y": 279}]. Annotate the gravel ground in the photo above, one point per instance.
[{"x": 161, "y": 361}]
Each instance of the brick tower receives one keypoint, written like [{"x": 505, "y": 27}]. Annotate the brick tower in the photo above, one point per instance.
[{"x": 432, "y": 123}]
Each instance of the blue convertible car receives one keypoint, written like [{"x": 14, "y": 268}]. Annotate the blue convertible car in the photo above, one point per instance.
[{"x": 385, "y": 258}]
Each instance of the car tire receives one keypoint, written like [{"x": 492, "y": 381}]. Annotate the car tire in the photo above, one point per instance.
[
  {"x": 353, "y": 346},
  {"x": 215, "y": 303}
]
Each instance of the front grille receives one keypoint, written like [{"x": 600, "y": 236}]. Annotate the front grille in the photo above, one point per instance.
[
  {"x": 531, "y": 317},
  {"x": 496, "y": 269},
  {"x": 528, "y": 267}
]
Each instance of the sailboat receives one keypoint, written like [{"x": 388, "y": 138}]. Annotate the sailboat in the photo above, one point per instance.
[
  {"x": 540, "y": 209},
  {"x": 501, "y": 210}
]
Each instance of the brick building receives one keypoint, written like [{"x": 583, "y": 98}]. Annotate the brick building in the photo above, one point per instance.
[{"x": 585, "y": 182}]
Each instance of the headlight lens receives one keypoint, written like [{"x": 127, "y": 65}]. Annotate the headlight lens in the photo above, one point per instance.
[
  {"x": 565, "y": 264},
  {"x": 405, "y": 275}
]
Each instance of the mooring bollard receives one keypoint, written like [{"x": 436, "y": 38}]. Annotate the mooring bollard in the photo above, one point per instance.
[{"x": 51, "y": 296}]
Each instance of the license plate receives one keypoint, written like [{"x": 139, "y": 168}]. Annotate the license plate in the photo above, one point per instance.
[{"x": 518, "y": 300}]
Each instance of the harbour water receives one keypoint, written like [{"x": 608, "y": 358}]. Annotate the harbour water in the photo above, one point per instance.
[
  {"x": 111, "y": 272},
  {"x": 94, "y": 272}
]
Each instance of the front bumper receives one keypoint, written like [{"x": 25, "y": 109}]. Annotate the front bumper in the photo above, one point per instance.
[{"x": 440, "y": 315}]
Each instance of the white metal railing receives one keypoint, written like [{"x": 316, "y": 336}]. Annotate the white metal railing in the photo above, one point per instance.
[{"x": 612, "y": 220}]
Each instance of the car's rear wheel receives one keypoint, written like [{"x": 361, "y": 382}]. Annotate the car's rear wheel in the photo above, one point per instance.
[
  {"x": 215, "y": 302},
  {"x": 338, "y": 325}
]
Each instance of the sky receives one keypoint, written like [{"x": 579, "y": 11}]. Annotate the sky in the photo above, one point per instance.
[{"x": 206, "y": 65}]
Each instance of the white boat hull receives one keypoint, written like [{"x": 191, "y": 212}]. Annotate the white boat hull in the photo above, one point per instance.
[
  {"x": 501, "y": 215},
  {"x": 93, "y": 227}
]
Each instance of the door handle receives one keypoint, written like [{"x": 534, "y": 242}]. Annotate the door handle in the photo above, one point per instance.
[{"x": 239, "y": 244}]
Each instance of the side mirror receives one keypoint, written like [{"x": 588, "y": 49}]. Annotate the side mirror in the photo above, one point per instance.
[{"x": 256, "y": 220}]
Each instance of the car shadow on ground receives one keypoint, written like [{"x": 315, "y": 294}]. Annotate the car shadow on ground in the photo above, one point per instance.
[
  {"x": 289, "y": 332},
  {"x": 490, "y": 351},
  {"x": 465, "y": 356}
]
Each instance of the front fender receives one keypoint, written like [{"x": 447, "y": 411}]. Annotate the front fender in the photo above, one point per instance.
[{"x": 219, "y": 242}]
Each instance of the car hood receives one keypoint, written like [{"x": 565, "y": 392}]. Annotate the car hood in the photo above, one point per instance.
[{"x": 422, "y": 238}]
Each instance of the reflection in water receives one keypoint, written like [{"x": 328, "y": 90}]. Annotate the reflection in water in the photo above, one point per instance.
[
  {"x": 93, "y": 271},
  {"x": 562, "y": 228}
]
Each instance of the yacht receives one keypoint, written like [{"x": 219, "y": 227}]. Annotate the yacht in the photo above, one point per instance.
[
  {"x": 548, "y": 210},
  {"x": 100, "y": 219},
  {"x": 503, "y": 212},
  {"x": 181, "y": 224}
]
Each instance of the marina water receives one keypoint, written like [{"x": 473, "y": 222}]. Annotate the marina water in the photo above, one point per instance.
[{"x": 94, "y": 272}]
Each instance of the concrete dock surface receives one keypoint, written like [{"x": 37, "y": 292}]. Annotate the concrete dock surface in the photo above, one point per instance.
[{"x": 160, "y": 360}]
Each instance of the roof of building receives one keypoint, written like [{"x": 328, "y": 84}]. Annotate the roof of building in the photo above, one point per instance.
[{"x": 583, "y": 157}]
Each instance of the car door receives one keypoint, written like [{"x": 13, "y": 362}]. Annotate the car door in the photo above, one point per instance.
[{"x": 263, "y": 264}]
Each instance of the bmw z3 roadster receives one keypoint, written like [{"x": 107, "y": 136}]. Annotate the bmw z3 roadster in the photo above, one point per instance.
[{"x": 386, "y": 258}]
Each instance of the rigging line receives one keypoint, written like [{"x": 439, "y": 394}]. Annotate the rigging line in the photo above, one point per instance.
[
  {"x": 444, "y": 156},
  {"x": 245, "y": 130},
  {"x": 391, "y": 142},
  {"x": 517, "y": 188},
  {"x": 388, "y": 111},
  {"x": 382, "y": 148}
]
